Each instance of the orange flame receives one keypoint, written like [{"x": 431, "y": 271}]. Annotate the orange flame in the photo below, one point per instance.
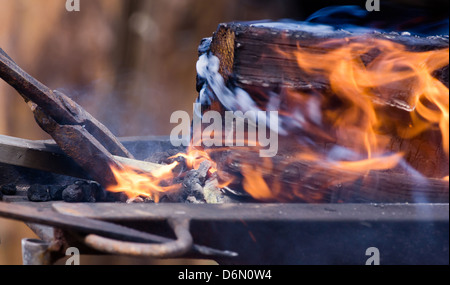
[
  {"x": 394, "y": 76},
  {"x": 358, "y": 124},
  {"x": 363, "y": 84},
  {"x": 135, "y": 184}
]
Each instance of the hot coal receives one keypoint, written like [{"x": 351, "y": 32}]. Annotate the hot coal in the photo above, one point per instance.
[
  {"x": 56, "y": 192},
  {"x": 39, "y": 193},
  {"x": 78, "y": 191},
  {"x": 83, "y": 191},
  {"x": 9, "y": 189},
  {"x": 73, "y": 194}
]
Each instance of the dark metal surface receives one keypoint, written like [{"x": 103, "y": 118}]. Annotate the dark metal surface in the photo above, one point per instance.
[
  {"x": 260, "y": 212},
  {"x": 83, "y": 148},
  {"x": 299, "y": 233},
  {"x": 45, "y": 216},
  {"x": 283, "y": 233}
]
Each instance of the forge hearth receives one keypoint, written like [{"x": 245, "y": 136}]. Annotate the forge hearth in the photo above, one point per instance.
[
  {"x": 244, "y": 233},
  {"x": 361, "y": 162}
]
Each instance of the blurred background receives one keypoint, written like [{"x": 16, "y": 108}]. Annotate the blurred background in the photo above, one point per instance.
[{"x": 130, "y": 63}]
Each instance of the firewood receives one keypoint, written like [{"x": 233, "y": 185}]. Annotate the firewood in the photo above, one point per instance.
[
  {"x": 289, "y": 180},
  {"x": 251, "y": 55}
]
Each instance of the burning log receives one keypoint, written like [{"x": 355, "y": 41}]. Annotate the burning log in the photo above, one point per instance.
[
  {"x": 261, "y": 55},
  {"x": 286, "y": 179},
  {"x": 363, "y": 117}
]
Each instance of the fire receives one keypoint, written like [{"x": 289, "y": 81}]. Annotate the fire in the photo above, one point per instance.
[
  {"x": 352, "y": 118},
  {"x": 135, "y": 184},
  {"x": 362, "y": 85},
  {"x": 358, "y": 125},
  {"x": 194, "y": 157}
]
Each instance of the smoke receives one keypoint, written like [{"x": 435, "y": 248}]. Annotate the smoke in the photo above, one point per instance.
[{"x": 393, "y": 18}]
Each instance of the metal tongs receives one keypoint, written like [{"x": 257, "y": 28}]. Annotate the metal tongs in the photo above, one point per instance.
[
  {"x": 77, "y": 133},
  {"x": 91, "y": 145}
]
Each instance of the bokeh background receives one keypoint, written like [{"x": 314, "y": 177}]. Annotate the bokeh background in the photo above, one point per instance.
[{"x": 130, "y": 63}]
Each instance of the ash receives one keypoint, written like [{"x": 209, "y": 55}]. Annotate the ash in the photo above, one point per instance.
[{"x": 198, "y": 186}]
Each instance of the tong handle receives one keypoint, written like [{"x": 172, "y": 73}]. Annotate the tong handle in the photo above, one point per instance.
[{"x": 176, "y": 248}]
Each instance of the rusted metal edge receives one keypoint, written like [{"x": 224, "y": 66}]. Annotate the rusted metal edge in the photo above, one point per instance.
[
  {"x": 88, "y": 226},
  {"x": 47, "y": 156},
  {"x": 259, "y": 212},
  {"x": 38, "y": 155}
]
